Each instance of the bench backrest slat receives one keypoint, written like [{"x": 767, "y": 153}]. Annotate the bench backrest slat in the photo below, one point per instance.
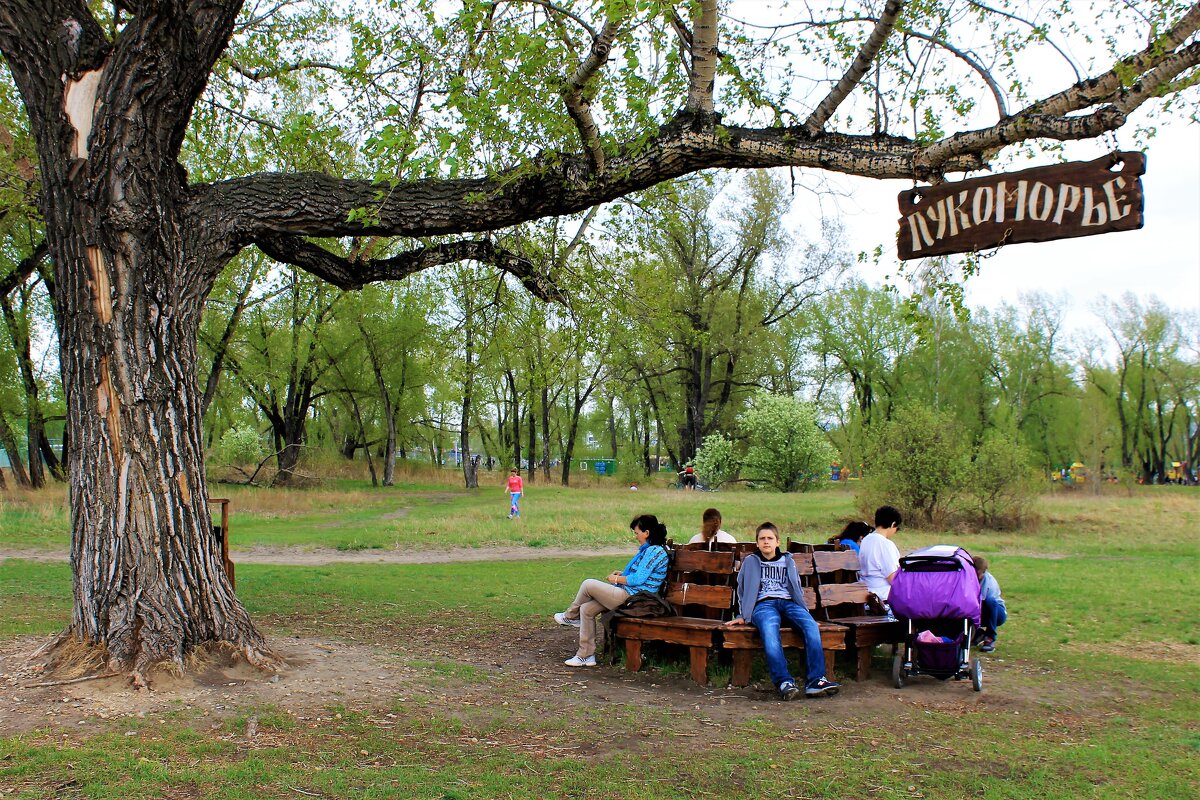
[
  {"x": 832, "y": 561},
  {"x": 835, "y": 594},
  {"x": 715, "y": 563},
  {"x": 699, "y": 594}
]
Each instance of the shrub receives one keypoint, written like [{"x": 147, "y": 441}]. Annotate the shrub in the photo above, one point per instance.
[
  {"x": 716, "y": 461},
  {"x": 788, "y": 450},
  {"x": 241, "y": 445},
  {"x": 1000, "y": 483},
  {"x": 917, "y": 461}
]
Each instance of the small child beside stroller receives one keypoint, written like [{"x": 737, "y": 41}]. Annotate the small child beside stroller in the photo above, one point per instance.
[{"x": 992, "y": 611}]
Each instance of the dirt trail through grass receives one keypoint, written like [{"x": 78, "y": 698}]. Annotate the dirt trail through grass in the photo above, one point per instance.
[{"x": 313, "y": 557}]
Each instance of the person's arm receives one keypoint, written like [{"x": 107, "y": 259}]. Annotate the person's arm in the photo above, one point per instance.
[{"x": 642, "y": 570}]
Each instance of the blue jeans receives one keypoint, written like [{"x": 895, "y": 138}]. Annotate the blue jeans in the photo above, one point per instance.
[
  {"x": 767, "y": 617},
  {"x": 991, "y": 616}
]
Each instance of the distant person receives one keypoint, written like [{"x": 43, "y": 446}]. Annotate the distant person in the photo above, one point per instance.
[
  {"x": 633, "y": 487},
  {"x": 710, "y": 530},
  {"x": 688, "y": 478},
  {"x": 645, "y": 572},
  {"x": 515, "y": 487},
  {"x": 851, "y": 535},
  {"x": 878, "y": 556},
  {"x": 992, "y": 611},
  {"x": 768, "y": 592}
]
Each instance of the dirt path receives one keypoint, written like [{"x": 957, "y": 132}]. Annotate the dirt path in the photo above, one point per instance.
[{"x": 321, "y": 556}]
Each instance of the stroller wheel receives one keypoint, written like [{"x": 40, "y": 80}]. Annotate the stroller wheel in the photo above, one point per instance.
[
  {"x": 898, "y": 670},
  {"x": 976, "y": 675}
]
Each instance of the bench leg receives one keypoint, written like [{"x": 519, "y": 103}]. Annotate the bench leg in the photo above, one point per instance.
[
  {"x": 829, "y": 657},
  {"x": 742, "y": 661},
  {"x": 633, "y": 654},
  {"x": 698, "y": 656},
  {"x": 864, "y": 663}
]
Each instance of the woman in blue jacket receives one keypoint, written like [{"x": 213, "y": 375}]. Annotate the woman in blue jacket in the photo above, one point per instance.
[
  {"x": 644, "y": 573},
  {"x": 769, "y": 592}
]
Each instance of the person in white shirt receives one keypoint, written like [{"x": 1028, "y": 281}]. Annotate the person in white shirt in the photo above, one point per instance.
[
  {"x": 878, "y": 556},
  {"x": 710, "y": 530}
]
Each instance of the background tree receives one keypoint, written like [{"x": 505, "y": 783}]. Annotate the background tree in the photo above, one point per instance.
[
  {"x": 918, "y": 462},
  {"x": 717, "y": 462},
  {"x": 787, "y": 449}
]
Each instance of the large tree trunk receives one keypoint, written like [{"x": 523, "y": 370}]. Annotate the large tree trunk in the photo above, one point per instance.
[
  {"x": 148, "y": 580},
  {"x": 132, "y": 270}
]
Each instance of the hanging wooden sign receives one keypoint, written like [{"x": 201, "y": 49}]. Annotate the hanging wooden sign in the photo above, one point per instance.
[{"x": 1062, "y": 201}]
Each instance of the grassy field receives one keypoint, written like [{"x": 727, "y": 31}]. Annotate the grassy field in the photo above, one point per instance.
[{"x": 1094, "y": 691}]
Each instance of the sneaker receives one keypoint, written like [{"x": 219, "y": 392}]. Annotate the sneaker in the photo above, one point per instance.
[
  {"x": 788, "y": 691},
  {"x": 987, "y": 646},
  {"x": 576, "y": 661},
  {"x": 822, "y": 687},
  {"x": 561, "y": 619}
]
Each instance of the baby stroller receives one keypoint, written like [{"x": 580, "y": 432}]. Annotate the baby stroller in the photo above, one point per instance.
[{"x": 936, "y": 593}]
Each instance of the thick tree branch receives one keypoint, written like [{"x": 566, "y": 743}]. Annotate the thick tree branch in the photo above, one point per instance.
[
  {"x": 1101, "y": 88},
  {"x": 858, "y": 68},
  {"x": 578, "y": 99},
  {"x": 704, "y": 59},
  {"x": 24, "y": 269},
  {"x": 1032, "y": 123},
  {"x": 347, "y": 274}
]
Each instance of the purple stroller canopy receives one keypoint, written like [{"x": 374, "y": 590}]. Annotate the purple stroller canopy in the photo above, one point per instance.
[{"x": 936, "y": 582}]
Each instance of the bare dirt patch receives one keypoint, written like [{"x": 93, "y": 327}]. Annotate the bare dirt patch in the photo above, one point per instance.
[{"x": 520, "y": 668}]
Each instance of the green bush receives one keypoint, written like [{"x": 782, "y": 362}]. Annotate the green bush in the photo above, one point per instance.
[
  {"x": 788, "y": 450},
  {"x": 1000, "y": 483},
  {"x": 241, "y": 445},
  {"x": 917, "y": 461},
  {"x": 716, "y": 461},
  {"x": 921, "y": 462}
]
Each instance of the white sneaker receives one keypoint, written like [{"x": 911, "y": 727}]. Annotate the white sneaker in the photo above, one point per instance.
[
  {"x": 561, "y": 619},
  {"x": 576, "y": 661}
]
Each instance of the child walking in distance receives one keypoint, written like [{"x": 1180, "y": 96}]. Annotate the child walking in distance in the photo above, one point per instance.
[
  {"x": 769, "y": 592},
  {"x": 514, "y": 489}
]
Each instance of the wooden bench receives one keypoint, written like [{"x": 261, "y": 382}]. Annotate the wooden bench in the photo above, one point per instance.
[
  {"x": 221, "y": 532},
  {"x": 710, "y": 603},
  {"x": 744, "y": 642},
  {"x": 842, "y": 599}
]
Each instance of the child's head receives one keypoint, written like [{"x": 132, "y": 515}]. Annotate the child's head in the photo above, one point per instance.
[
  {"x": 854, "y": 531},
  {"x": 981, "y": 565},
  {"x": 887, "y": 517},
  {"x": 512, "y": 471},
  {"x": 767, "y": 538}
]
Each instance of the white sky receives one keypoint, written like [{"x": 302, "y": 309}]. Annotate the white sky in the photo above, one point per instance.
[{"x": 1162, "y": 259}]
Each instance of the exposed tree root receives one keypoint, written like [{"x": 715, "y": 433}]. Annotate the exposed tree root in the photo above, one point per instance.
[{"x": 67, "y": 659}]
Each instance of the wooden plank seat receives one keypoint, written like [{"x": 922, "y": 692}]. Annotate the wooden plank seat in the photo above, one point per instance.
[
  {"x": 843, "y": 599},
  {"x": 703, "y": 608},
  {"x": 744, "y": 642}
]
